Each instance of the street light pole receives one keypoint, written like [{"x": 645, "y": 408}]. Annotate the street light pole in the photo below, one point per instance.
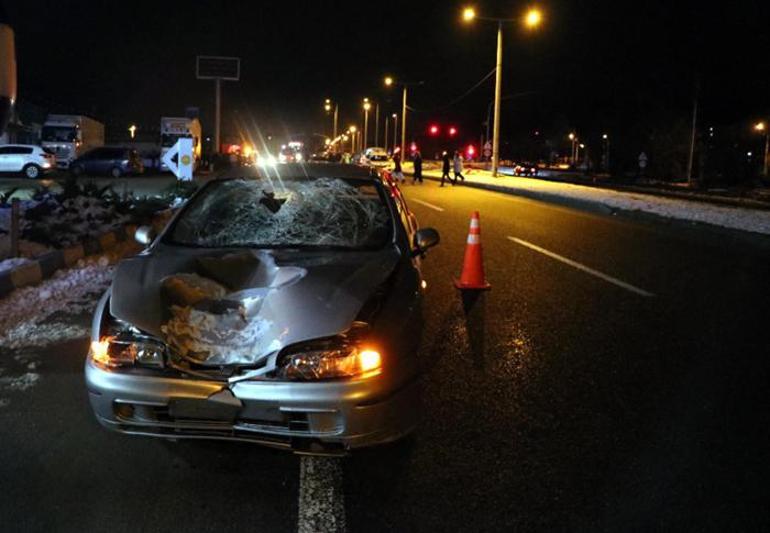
[
  {"x": 498, "y": 88},
  {"x": 377, "y": 124},
  {"x": 218, "y": 115},
  {"x": 532, "y": 20},
  {"x": 395, "y": 131},
  {"x": 386, "y": 133},
  {"x": 365, "y": 140},
  {"x": 403, "y": 124},
  {"x": 336, "y": 116}
]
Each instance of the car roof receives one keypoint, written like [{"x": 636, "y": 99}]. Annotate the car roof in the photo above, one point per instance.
[{"x": 14, "y": 145}]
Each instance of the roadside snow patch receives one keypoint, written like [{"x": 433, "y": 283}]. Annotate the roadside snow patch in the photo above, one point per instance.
[
  {"x": 13, "y": 262},
  {"x": 19, "y": 383},
  {"x": 72, "y": 292}
]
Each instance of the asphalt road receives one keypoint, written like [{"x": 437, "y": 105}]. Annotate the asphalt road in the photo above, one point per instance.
[{"x": 614, "y": 378}]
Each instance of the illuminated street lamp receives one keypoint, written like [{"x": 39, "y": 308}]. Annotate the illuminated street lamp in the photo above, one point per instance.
[
  {"x": 573, "y": 154},
  {"x": 389, "y": 82},
  {"x": 395, "y": 131},
  {"x": 328, "y": 107},
  {"x": 532, "y": 20},
  {"x": 353, "y": 140},
  {"x": 367, "y": 107},
  {"x": 606, "y": 139},
  {"x": 761, "y": 127},
  {"x": 132, "y": 130}
]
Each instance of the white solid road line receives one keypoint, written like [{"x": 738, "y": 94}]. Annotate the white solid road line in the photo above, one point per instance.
[
  {"x": 426, "y": 204},
  {"x": 321, "y": 499},
  {"x": 584, "y": 268}
]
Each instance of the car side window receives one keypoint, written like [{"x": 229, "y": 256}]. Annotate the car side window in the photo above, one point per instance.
[{"x": 14, "y": 150}]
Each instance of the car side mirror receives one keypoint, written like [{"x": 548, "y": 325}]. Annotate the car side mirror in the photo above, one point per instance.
[
  {"x": 144, "y": 235},
  {"x": 424, "y": 239}
]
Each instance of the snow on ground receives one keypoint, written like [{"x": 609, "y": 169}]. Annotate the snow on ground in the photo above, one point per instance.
[
  {"x": 24, "y": 312},
  {"x": 48, "y": 313},
  {"x": 12, "y": 262},
  {"x": 739, "y": 218}
]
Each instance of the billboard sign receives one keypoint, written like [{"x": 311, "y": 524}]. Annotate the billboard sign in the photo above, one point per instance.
[{"x": 218, "y": 68}]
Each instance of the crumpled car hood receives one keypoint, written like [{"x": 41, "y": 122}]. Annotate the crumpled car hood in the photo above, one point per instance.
[{"x": 235, "y": 307}]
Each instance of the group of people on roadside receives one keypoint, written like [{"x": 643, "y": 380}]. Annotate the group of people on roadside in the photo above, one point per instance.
[{"x": 456, "y": 164}]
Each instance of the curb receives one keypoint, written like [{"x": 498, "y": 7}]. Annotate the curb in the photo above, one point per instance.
[
  {"x": 44, "y": 266},
  {"x": 693, "y": 196}
]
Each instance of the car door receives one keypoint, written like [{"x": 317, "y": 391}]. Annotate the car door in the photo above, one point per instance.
[
  {"x": 4, "y": 158},
  {"x": 92, "y": 160},
  {"x": 16, "y": 158}
]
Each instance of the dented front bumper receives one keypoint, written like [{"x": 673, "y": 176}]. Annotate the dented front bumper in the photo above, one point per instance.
[{"x": 317, "y": 417}]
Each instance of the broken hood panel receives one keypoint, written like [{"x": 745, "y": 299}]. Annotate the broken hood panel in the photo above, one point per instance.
[{"x": 235, "y": 307}]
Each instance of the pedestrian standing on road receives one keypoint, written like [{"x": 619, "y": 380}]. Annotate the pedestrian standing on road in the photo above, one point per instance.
[
  {"x": 398, "y": 174},
  {"x": 445, "y": 168},
  {"x": 417, "y": 160},
  {"x": 458, "y": 166}
]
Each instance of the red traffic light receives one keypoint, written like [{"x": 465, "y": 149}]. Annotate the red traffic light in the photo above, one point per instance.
[
  {"x": 433, "y": 129},
  {"x": 471, "y": 151},
  {"x": 452, "y": 131}
]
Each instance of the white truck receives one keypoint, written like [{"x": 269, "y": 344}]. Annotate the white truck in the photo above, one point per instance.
[
  {"x": 70, "y": 136},
  {"x": 172, "y": 128}
]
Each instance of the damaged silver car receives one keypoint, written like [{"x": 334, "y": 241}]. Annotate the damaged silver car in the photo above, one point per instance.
[{"x": 283, "y": 309}]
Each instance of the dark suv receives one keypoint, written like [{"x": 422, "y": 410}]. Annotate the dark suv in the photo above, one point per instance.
[{"x": 112, "y": 161}]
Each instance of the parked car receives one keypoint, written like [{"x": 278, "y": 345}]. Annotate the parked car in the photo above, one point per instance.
[
  {"x": 524, "y": 169},
  {"x": 282, "y": 312},
  {"x": 376, "y": 157},
  {"x": 30, "y": 160},
  {"x": 113, "y": 161}
]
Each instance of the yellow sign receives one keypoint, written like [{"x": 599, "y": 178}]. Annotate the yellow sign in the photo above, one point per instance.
[{"x": 186, "y": 159}]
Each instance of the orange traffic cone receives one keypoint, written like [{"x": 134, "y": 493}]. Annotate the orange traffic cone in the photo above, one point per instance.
[{"x": 472, "y": 276}]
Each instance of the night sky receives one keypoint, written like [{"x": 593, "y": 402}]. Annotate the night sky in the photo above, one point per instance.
[{"x": 595, "y": 66}]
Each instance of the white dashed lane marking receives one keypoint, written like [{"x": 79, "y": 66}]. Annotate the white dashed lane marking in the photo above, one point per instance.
[
  {"x": 321, "y": 498},
  {"x": 427, "y": 204},
  {"x": 584, "y": 268}
]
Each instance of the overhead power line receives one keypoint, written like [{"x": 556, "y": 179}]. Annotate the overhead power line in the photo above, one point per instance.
[{"x": 456, "y": 100}]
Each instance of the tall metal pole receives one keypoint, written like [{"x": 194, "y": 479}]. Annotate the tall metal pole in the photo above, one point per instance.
[
  {"x": 336, "y": 115},
  {"x": 218, "y": 116},
  {"x": 403, "y": 126},
  {"x": 395, "y": 131},
  {"x": 498, "y": 90},
  {"x": 387, "y": 120},
  {"x": 366, "y": 130},
  {"x": 692, "y": 137},
  {"x": 767, "y": 149},
  {"x": 377, "y": 124}
]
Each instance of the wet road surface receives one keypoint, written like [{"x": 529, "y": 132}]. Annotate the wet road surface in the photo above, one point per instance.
[{"x": 558, "y": 400}]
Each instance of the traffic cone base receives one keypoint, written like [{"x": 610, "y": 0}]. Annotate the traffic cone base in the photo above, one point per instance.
[
  {"x": 472, "y": 275},
  {"x": 483, "y": 286}
]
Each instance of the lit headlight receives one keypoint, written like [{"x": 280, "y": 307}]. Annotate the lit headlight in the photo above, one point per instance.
[
  {"x": 298, "y": 157},
  {"x": 329, "y": 364},
  {"x": 117, "y": 351}
]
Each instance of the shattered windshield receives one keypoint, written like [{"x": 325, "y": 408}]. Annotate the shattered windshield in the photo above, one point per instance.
[{"x": 326, "y": 212}]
